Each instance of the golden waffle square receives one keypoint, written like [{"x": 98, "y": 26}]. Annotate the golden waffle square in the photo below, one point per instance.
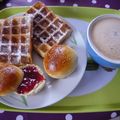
[
  {"x": 48, "y": 28},
  {"x": 15, "y": 40}
]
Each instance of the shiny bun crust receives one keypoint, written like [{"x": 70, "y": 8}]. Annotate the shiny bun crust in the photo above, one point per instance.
[
  {"x": 60, "y": 61},
  {"x": 10, "y": 78}
]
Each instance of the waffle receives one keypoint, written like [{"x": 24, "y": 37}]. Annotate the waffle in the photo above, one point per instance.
[
  {"x": 15, "y": 40},
  {"x": 48, "y": 28}
]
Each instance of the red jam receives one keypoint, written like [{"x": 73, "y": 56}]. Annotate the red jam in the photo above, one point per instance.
[{"x": 30, "y": 79}]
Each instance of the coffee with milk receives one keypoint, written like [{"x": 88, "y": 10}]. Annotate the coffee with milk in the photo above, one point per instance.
[{"x": 106, "y": 37}]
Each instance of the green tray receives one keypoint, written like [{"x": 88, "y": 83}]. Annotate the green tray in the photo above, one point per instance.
[{"x": 105, "y": 99}]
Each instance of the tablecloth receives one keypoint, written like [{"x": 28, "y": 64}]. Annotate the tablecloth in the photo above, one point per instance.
[{"x": 114, "y": 115}]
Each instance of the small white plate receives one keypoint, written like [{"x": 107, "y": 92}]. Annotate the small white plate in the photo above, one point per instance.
[
  {"x": 54, "y": 90},
  {"x": 92, "y": 80}
]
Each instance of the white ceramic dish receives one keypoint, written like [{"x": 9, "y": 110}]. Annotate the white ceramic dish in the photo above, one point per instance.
[
  {"x": 54, "y": 90},
  {"x": 91, "y": 80}
]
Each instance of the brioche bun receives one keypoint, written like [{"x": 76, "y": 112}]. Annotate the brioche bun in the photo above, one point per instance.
[
  {"x": 10, "y": 78},
  {"x": 60, "y": 61}
]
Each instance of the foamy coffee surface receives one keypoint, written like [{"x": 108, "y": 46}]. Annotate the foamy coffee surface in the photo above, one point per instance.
[{"x": 106, "y": 37}]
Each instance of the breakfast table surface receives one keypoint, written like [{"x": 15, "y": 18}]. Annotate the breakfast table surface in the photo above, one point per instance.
[{"x": 110, "y": 115}]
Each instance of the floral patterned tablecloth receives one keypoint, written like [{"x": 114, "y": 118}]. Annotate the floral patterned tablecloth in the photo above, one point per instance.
[{"x": 114, "y": 115}]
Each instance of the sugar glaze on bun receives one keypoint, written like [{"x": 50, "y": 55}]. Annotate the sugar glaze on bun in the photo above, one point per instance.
[
  {"x": 10, "y": 78},
  {"x": 60, "y": 61}
]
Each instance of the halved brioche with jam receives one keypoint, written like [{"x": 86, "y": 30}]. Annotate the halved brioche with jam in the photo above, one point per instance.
[{"x": 33, "y": 80}]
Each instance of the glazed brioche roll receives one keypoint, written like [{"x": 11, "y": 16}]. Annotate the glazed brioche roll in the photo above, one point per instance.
[
  {"x": 60, "y": 61},
  {"x": 10, "y": 78}
]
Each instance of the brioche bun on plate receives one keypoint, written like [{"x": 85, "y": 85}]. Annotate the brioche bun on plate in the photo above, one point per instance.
[
  {"x": 10, "y": 78},
  {"x": 60, "y": 61}
]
